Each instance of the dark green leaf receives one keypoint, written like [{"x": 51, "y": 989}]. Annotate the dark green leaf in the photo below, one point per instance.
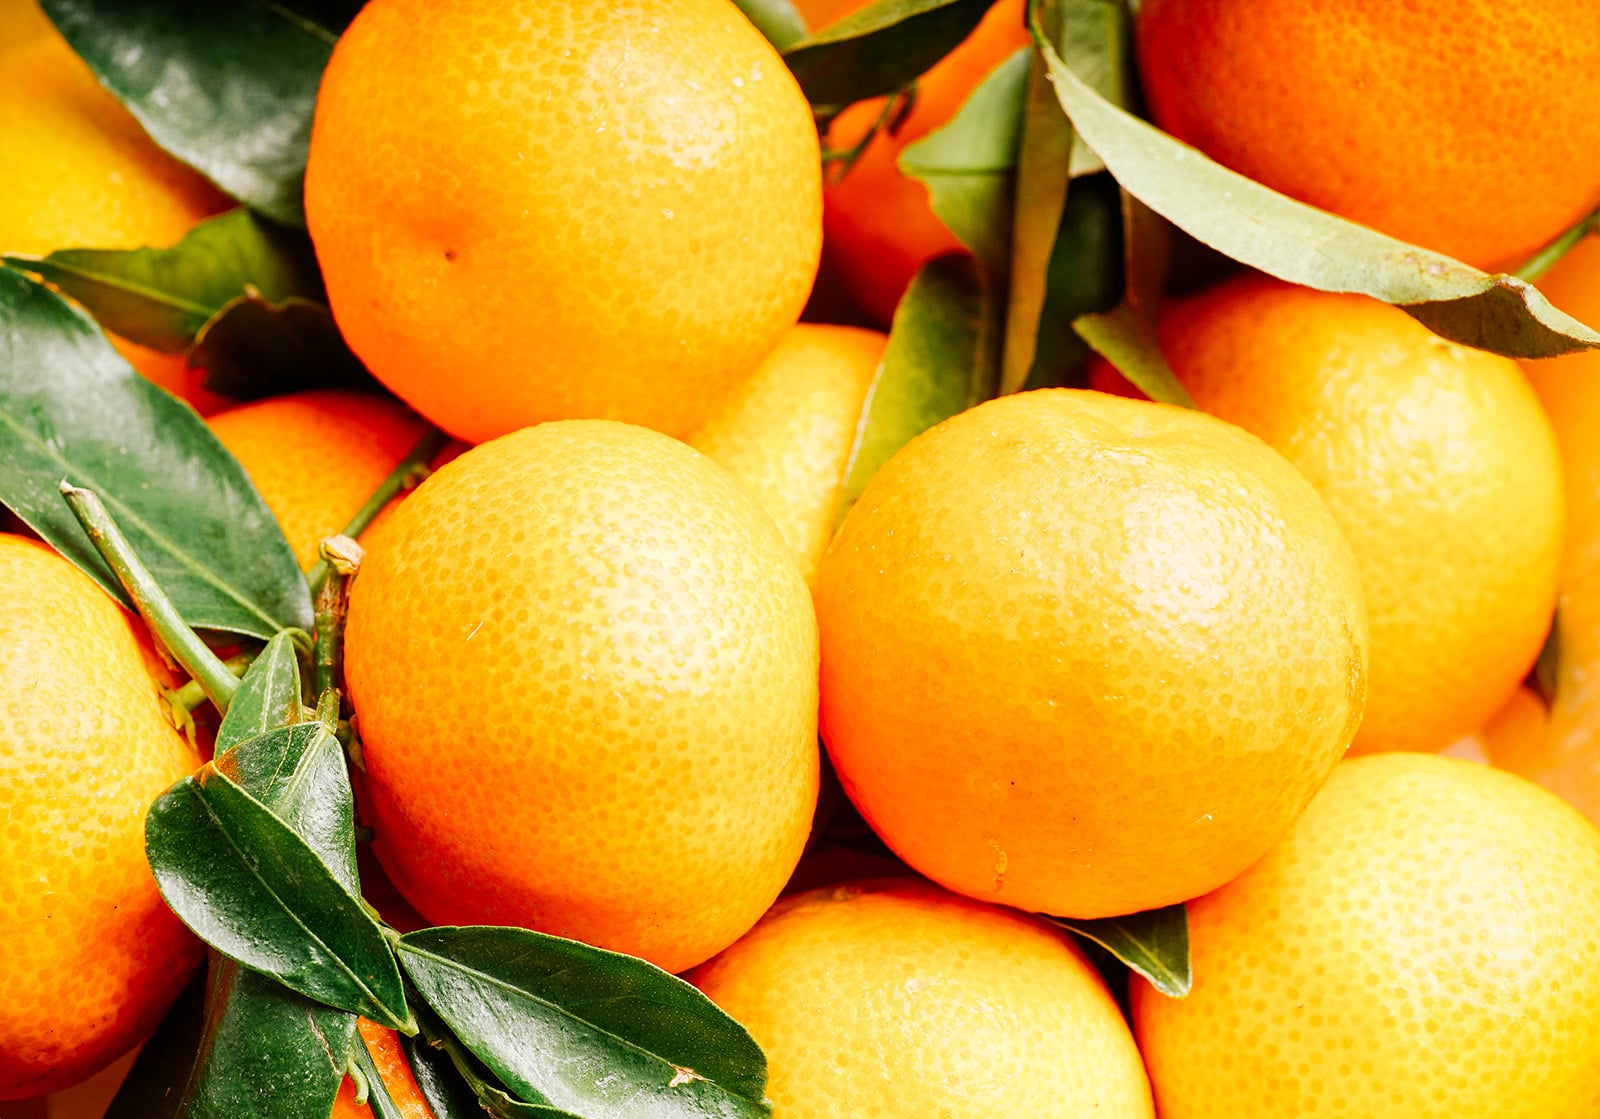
[
  {"x": 256, "y": 348},
  {"x": 299, "y": 773},
  {"x": 1086, "y": 267},
  {"x": 441, "y": 1085},
  {"x": 226, "y": 87},
  {"x": 161, "y": 298},
  {"x": 940, "y": 360},
  {"x": 1546, "y": 675},
  {"x": 880, "y": 48},
  {"x": 252, "y": 888},
  {"x": 1154, "y": 943},
  {"x": 268, "y": 697},
  {"x": 776, "y": 19},
  {"x": 1095, "y": 38},
  {"x": 969, "y": 164},
  {"x": 71, "y": 408},
  {"x": 1301, "y": 244},
  {"x": 579, "y": 1029}
]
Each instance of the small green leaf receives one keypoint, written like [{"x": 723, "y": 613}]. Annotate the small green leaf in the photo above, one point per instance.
[
  {"x": 585, "y": 1031},
  {"x": 444, "y": 1089},
  {"x": 268, "y": 697},
  {"x": 1085, "y": 276},
  {"x": 1095, "y": 38},
  {"x": 778, "y": 20},
  {"x": 226, "y": 87},
  {"x": 253, "y": 889},
  {"x": 940, "y": 360},
  {"x": 1154, "y": 943},
  {"x": 255, "y": 348},
  {"x": 879, "y": 48},
  {"x": 162, "y": 297},
  {"x": 71, "y": 408},
  {"x": 969, "y": 164},
  {"x": 1269, "y": 231}
]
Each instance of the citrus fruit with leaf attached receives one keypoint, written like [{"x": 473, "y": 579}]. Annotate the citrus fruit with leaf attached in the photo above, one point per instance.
[
  {"x": 93, "y": 956},
  {"x": 1065, "y": 635},
  {"x": 399, "y": 1083},
  {"x": 893, "y": 998},
  {"x": 584, "y": 665},
  {"x": 317, "y": 456},
  {"x": 1425, "y": 944},
  {"x": 1437, "y": 462},
  {"x": 787, "y": 433},
  {"x": 1463, "y": 127},
  {"x": 617, "y": 219},
  {"x": 880, "y": 225}
]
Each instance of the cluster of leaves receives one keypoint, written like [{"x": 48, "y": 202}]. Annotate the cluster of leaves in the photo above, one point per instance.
[{"x": 1072, "y": 208}]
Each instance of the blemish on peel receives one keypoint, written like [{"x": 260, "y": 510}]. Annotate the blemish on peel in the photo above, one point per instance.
[{"x": 1000, "y": 864}]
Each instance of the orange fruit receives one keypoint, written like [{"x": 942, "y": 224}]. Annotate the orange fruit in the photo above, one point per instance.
[
  {"x": 390, "y": 1060},
  {"x": 896, "y": 999},
  {"x": 549, "y": 632},
  {"x": 173, "y": 373},
  {"x": 1425, "y": 944},
  {"x": 93, "y": 957},
  {"x": 316, "y": 457},
  {"x": 1512, "y": 739},
  {"x": 787, "y": 433},
  {"x": 1463, "y": 126},
  {"x": 1438, "y": 465},
  {"x": 1065, "y": 635},
  {"x": 21, "y": 21},
  {"x": 880, "y": 227},
  {"x": 616, "y": 219}
]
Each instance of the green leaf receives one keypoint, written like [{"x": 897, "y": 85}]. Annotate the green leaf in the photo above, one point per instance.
[
  {"x": 1085, "y": 275},
  {"x": 969, "y": 164},
  {"x": 586, "y": 1031},
  {"x": 154, "y": 1086},
  {"x": 1096, "y": 37},
  {"x": 1269, "y": 231},
  {"x": 226, "y": 87},
  {"x": 778, "y": 20},
  {"x": 162, "y": 297},
  {"x": 940, "y": 360},
  {"x": 253, "y": 889},
  {"x": 1546, "y": 675},
  {"x": 441, "y": 1085},
  {"x": 255, "y": 348},
  {"x": 71, "y": 408},
  {"x": 1154, "y": 943},
  {"x": 879, "y": 48},
  {"x": 268, "y": 697}
]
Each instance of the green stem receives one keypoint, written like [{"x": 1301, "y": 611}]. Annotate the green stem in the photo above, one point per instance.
[
  {"x": 411, "y": 470},
  {"x": 192, "y": 695},
  {"x": 377, "y": 1096},
  {"x": 149, "y": 599},
  {"x": 343, "y": 557},
  {"x": 1555, "y": 250},
  {"x": 838, "y": 161}
]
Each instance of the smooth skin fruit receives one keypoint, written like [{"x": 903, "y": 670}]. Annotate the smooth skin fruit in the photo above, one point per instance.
[
  {"x": 584, "y": 666},
  {"x": 617, "y": 219},
  {"x": 898, "y": 1000},
  {"x": 21, "y": 21},
  {"x": 1425, "y": 944},
  {"x": 1462, "y": 126},
  {"x": 787, "y": 433},
  {"x": 880, "y": 227},
  {"x": 390, "y": 1060},
  {"x": 1085, "y": 655},
  {"x": 1438, "y": 464},
  {"x": 316, "y": 457},
  {"x": 93, "y": 957}
]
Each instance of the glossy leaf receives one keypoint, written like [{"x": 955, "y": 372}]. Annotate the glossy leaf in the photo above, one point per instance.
[
  {"x": 969, "y": 164},
  {"x": 162, "y": 297},
  {"x": 586, "y": 1031},
  {"x": 1154, "y": 943},
  {"x": 879, "y": 48},
  {"x": 248, "y": 885},
  {"x": 446, "y": 1093},
  {"x": 226, "y": 87},
  {"x": 1269, "y": 231},
  {"x": 778, "y": 20},
  {"x": 268, "y": 697},
  {"x": 940, "y": 360},
  {"x": 71, "y": 408},
  {"x": 255, "y": 348}
]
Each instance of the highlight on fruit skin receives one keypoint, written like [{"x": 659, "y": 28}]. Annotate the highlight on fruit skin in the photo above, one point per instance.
[
  {"x": 585, "y": 666},
  {"x": 1102, "y": 655}
]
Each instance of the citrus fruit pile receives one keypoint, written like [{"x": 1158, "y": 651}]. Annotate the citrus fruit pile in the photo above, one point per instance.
[{"x": 712, "y": 558}]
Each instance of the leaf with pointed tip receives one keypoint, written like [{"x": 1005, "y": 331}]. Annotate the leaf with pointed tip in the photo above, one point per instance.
[
  {"x": 778, "y": 20},
  {"x": 254, "y": 348},
  {"x": 1154, "y": 943},
  {"x": 71, "y": 408},
  {"x": 268, "y": 696},
  {"x": 578, "y": 1029},
  {"x": 1270, "y": 231},
  {"x": 251, "y": 887},
  {"x": 969, "y": 164},
  {"x": 1095, "y": 38},
  {"x": 879, "y": 48},
  {"x": 1085, "y": 277},
  {"x": 228, "y": 88}
]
